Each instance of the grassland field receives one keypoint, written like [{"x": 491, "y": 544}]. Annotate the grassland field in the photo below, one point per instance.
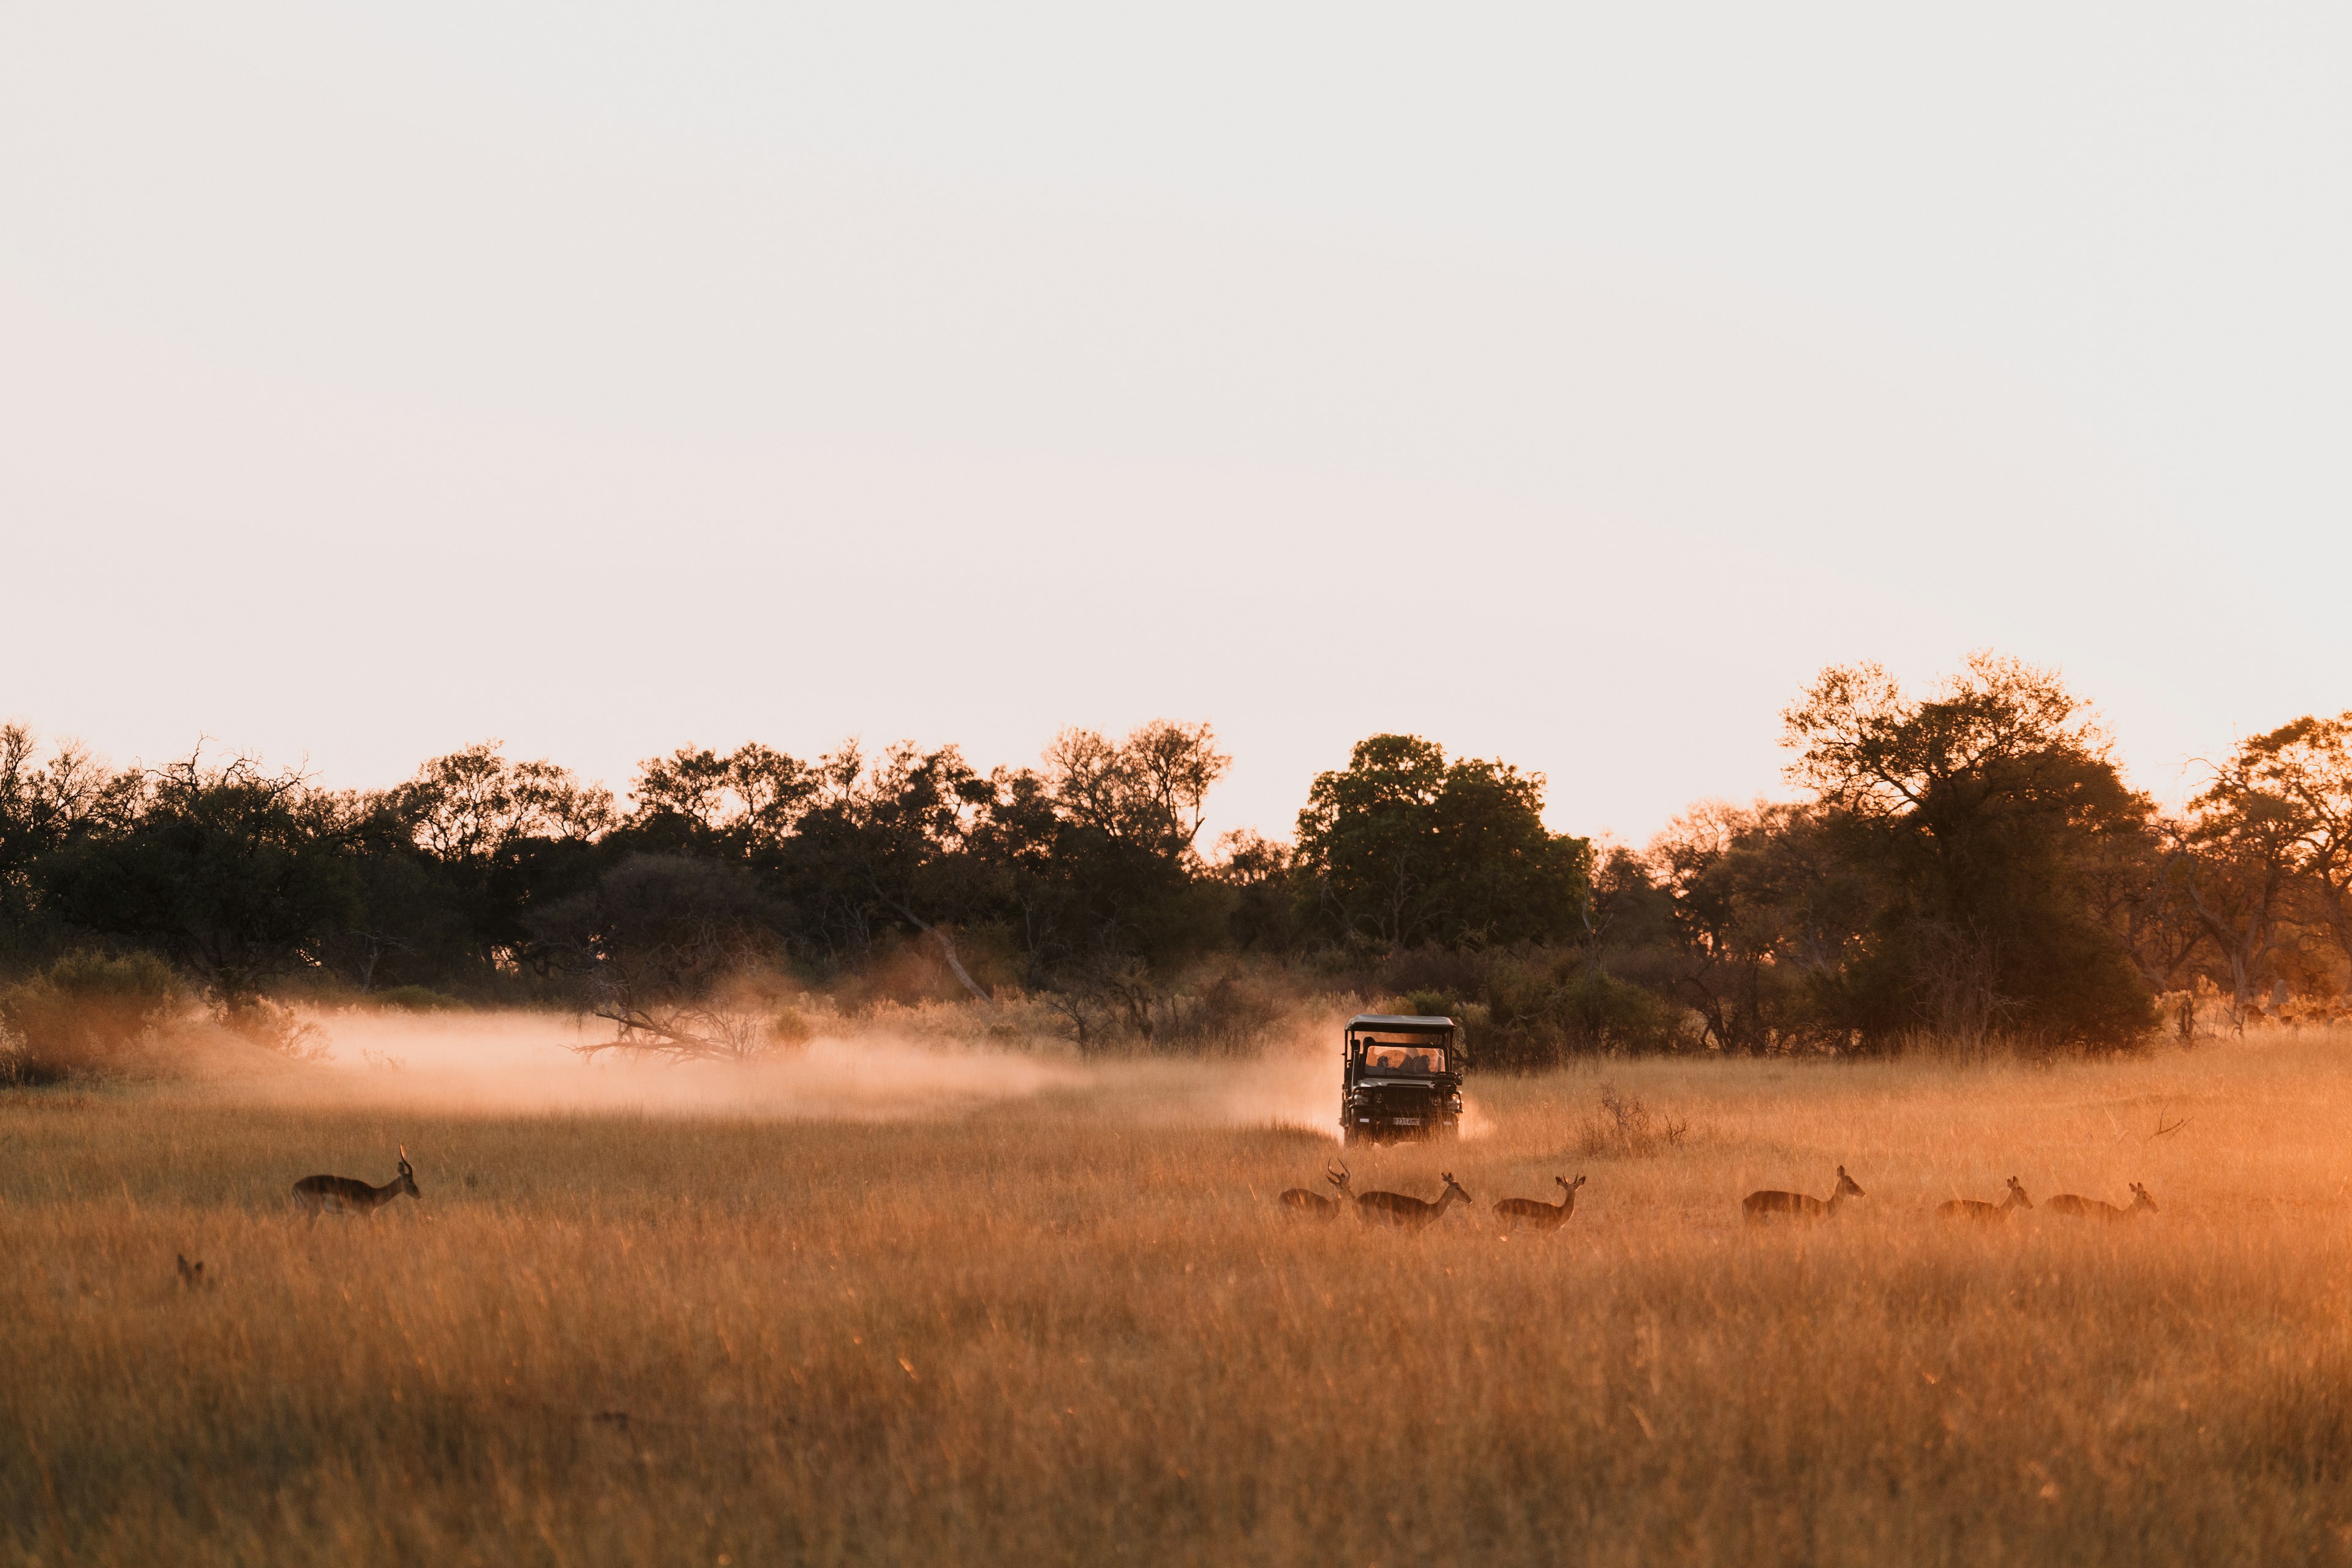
[{"x": 1070, "y": 1325}]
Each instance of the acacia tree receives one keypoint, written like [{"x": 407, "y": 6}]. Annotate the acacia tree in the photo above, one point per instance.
[
  {"x": 882, "y": 843},
  {"x": 1976, "y": 807},
  {"x": 500, "y": 833},
  {"x": 1148, "y": 792},
  {"x": 744, "y": 803},
  {"x": 2234, "y": 861},
  {"x": 1110, "y": 861},
  {"x": 46, "y": 805},
  {"x": 466, "y": 804},
  {"x": 1766, "y": 908},
  {"x": 2309, "y": 763},
  {"x": 235, "y": 872},
  {"x": 2268, "y": 846}
]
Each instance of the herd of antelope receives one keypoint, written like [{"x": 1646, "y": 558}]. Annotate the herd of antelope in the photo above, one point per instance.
[
  {"x": 348, "y": 1195},
  {"x": 1408, "y": 1213}
]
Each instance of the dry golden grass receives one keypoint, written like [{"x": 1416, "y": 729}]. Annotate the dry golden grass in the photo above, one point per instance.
[{"x": 1067, "y": 1330}]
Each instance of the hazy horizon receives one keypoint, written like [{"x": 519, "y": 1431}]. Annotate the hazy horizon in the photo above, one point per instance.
[{"x": 1565, "y": 389}]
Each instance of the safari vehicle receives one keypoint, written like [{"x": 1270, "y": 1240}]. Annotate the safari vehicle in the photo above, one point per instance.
[{"x": 1402, "y": 1079}]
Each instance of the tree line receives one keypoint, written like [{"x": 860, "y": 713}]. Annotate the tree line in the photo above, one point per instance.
[{"x": 1968, "y": 867}]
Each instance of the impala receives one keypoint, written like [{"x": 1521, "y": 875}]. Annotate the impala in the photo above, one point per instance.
[
  {"x": 1762, "y": 1206},
  {"x": 1411, "y": 1214},
  {"x": 2095, "y": 1208},
  {"x": 1315, "y": 1206},
  {"x": 1978, "y": 1210},
  {"x": 348, "y": 1195},
  {"x": 1537, "y": 1214}
]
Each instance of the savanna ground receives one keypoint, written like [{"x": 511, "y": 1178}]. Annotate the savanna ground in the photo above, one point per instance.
[{"x": 1068, "y": 1324}]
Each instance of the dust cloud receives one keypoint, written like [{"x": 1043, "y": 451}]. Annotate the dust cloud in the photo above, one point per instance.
[{"x": 529, "y": 1064}]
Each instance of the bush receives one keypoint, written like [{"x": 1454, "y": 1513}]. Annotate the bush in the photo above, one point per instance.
[
  {"x": 274, "y": 1026},
  {"x": 1628, "y": 1130},
  {"x": 1605, "y": 1013},
  {"x": 1429, "y": 1003},
  {"x": 88, "y": 1015}
]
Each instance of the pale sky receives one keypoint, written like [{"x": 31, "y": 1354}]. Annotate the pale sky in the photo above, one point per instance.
[{"x": 1565, "y": 384}]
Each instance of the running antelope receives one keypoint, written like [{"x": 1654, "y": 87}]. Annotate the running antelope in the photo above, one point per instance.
[
  {"x": 1984, "y": 1212},
  {"x": 1307, "y": 1204},
  {"x": 1762, "y": 1206},
  {"x": 348, "y": 1195},
  {"x": 1411, "y": 1214},
  {"x": 2094, "y": 1209},
  {"x": 1537, "y": 1214}
]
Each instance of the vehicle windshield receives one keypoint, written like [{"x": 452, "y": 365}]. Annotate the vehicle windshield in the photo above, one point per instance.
[{"x": 1403, "y": 1053}]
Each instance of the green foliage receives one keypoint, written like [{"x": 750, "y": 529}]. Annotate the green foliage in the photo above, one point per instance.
[
  {"x": 1979, "y": 812},
  {"x": 87, "y": 1014},
  {"x": 1603, "y": 1012},
  {"x": 1401, "y": 849},
  {"x": 236, "y": 874},
  {"x": 1967, "y": 866},
  {"x": 1745, "y": 915},
  {"x": 1529, "y": 1009},
  {"x": 1429, "y": 1003}
]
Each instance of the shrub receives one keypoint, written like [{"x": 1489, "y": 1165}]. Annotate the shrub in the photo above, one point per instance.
[
  {"x": 87, "y": 1014},
  {"x": 1628, "y": 1130},
  {"x": 1429, "y": 1003},
  {"x": 273, "y": 1024}
]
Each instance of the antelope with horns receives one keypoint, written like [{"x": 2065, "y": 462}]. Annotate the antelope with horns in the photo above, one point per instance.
[
  {"x": 1758, "y": 1207},
  {"x": 1537, "y": 1214},
  {"x": 2094, "y": 1209},
  {"x": 1307, "y": 1205},
  {"x": 348, "y": 1195},
  {"x": 1984, "y": 1212},
  {"x": 1407, "y": 1213}
]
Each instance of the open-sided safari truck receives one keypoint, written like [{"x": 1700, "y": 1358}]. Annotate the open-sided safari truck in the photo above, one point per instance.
[{"x": 1402, "y": 1079}]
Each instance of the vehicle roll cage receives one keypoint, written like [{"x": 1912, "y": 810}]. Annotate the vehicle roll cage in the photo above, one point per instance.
[{"x": 1420, "y": 1031}]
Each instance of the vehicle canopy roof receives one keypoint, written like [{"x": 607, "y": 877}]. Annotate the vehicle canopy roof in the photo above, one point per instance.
[{"x": 1400, "y": 1023}]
